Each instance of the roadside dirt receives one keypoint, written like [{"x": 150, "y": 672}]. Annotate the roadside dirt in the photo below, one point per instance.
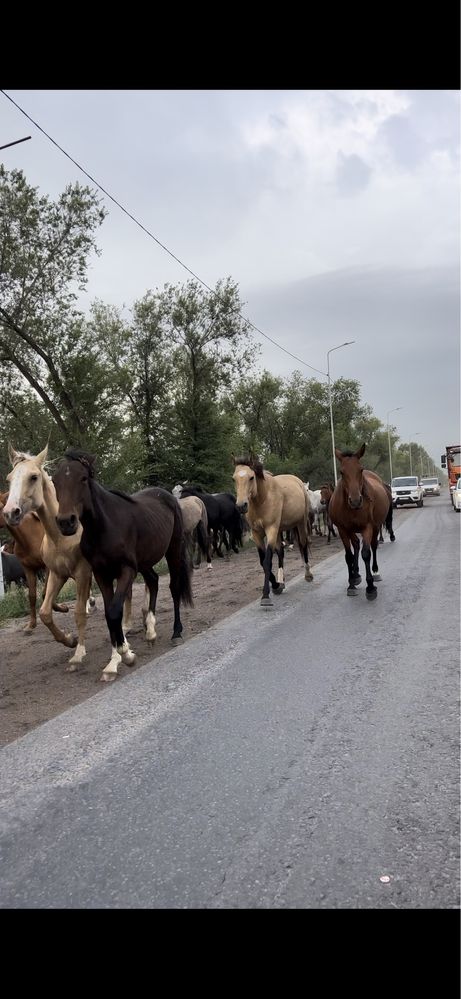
[{"x": 34, "y": 686}]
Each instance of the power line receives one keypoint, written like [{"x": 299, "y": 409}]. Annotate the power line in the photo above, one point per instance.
[
  {"x": 16, "y": 142},
  {"x": 151, "y": 234}
]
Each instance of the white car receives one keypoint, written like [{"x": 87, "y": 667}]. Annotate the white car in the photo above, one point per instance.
[
  {"x": 431, "y": 487},
  {"x": 406, "y": 489},
  {"x": 457, "y": 497}
]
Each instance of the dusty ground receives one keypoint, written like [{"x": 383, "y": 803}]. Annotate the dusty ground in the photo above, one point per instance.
[{"x": 33, "y": 683}]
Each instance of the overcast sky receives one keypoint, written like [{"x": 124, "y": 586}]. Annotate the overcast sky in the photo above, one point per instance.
[{"x": 337, "y": 212}]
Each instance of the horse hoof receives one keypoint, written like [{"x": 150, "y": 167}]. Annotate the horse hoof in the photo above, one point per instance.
[
  {"x": 92, "y": 601},
  {"x": 266, "y": 602},
  {"x": 177, "y": 639},
  {"x": 278, "y": 589},
  {"x": 71, "y": 667},
  {"x": 351, "y": 591},
  {"x": 27, "y": 630},
  {"x": 129, "y": 658},
  {"x": 377, "y": 578},
  {"x": 308, "y": 576},
  {"x": 108, "y": 677},
  {"x": 372, "y": 594},
  {"x": 71, "y": 641},
  {"x": 381, "y": 541},
  {"x": 393, "y": 537}
]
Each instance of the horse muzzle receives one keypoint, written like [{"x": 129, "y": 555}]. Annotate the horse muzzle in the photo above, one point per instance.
[
  {"x": 355, "y": 504},
  {"x": 12, "y": 516},
  {"x": 242, "y": 507},
  {"x": 67, "y": 525}
]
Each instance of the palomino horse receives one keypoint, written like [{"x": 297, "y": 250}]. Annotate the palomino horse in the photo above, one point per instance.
[
  {"x": 195, "y": 520},
  {"x": 272, "y": 504},
  {"x": 27, "y": 546},
  {"x": 31, "y": 489},
  {"x": 123, "y": 535},
  {"x": 359, "y": 505}
]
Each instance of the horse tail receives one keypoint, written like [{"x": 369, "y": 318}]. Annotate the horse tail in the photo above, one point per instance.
[
  {"x": 183, "y": 566},
  {"x": 388, "y": 521},
  {"x": 202, "y": 536}
]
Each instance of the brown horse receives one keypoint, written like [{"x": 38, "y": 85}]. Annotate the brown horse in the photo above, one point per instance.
[
  {"x": 326, "y": 492},
  {"x": 359, "y": 505},
  {"x": 27, "y": 546},
  {"x": 272, "y": 504},
  {"x": 123, "y": 535}
]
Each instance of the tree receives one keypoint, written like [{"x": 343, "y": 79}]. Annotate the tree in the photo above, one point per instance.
[{"x": 44, "y": 250}]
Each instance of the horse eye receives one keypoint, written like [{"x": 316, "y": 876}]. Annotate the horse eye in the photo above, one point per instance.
[
  {"x": 85, "y": 478},
  {"x": 33, "y": 478},
  {"x": 251, "y": 478}
]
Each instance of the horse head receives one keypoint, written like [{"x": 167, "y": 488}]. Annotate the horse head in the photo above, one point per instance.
[
  {"x": 71, "y": 481},
  {"x": 248, "y": 469},
  {"x": 26, "y": 484},
  {"x": 352, "y": 476}
]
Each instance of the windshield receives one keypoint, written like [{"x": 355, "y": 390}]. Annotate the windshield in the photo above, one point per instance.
[
  {"x": 430, "y": 482},
  {"x": 455, "y": 457},
  {"x": 458, "y": 484},
  {"x": 408, "y": 480}
]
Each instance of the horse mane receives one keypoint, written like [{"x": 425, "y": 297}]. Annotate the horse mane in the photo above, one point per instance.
[
  {"x": 252, "y": 462},
  {"x": 119, "y": 492},
  {"x": 86, "y": 459}
]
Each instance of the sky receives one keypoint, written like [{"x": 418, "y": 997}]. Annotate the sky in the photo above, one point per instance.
[{"x": 336, "y": 212}]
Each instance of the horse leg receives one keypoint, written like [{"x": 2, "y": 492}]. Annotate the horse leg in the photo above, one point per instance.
[
  {"x": 148, "y": 612},
  {"x": 266, "y": 564},
  {"x": 281, "y": 572},
  {"x": 127, "y": 623},
  {"x": 60, "y": 608},
  {"x": 83, "y": 581},
  {"x": 367, "y": 535},
  {"x": 31, "y": 579},
  {"x": 350, "y": 562},
  {"x": 304, "y": 549},
  {"x": 374, "y": 565},
  {"x": 113, "y": 605},
  {"x": 53, "y": 586},
  {"x": 356, "y": 546}
]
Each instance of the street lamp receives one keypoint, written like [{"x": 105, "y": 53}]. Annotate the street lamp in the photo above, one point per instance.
[
  {"x": 345, "y": 344},
  {"x": 409, "y": 448},
  {"x": 389, "y": 437}
]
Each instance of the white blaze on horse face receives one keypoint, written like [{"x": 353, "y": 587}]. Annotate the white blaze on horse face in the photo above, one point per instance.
[{"x": 242, "y": 474}]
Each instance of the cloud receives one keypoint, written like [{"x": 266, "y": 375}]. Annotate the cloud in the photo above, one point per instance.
[{"x": 352, "y": 174}]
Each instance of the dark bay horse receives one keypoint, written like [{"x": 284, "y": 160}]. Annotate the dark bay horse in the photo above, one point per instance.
[
  {"x": 224, "y": 520},
  {"x": 272, "y": 504},
  {"x": 359, "y": 505},
  {"x": 123, "y": 535}
]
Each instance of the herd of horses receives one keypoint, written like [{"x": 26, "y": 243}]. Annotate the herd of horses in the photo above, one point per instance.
[{"x": 71, "y": 526}]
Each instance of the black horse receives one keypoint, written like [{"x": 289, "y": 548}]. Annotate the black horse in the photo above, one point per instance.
[
  {"x": 224, "y": 520},
  {"x": 13, "y": 570},
  {"x": 123, "y": 535}
]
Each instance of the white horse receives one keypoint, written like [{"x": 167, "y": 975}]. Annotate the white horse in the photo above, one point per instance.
[{"x": 320, "y": 518}]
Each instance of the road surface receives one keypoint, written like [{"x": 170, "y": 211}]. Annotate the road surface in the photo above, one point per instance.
[{"x": 305, "y": 757}]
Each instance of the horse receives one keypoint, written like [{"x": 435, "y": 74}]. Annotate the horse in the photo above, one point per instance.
[
  {"x": 272, "y": 504},
  {"x": 224, "y": 520},
  {"x": 319, "y": 512},
  {"x": 122, "y": 535},
  {"x": 359, "y": 505},
  {"x": 12, "y": 569},
  {"x": 326, "y": 492},
  {"x": 27, "y": 546},
  {"x": 31, "y": 489},
  {"x": 195, "y": 520}
]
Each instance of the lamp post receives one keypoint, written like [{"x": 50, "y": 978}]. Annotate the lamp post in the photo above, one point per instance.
[
  {"x": 389, "y": 437},
  {"x": 409, "y": 448},
  {"x": 345, "y": 344}
]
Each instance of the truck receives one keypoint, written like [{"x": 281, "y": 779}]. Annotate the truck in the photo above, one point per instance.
[{"x": 451, "y": 460}]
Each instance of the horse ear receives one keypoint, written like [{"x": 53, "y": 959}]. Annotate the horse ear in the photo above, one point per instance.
[
  {"x": 361, "y": 450},
  {"x": 338, "y": 453},
  {"x": 13, "y": 455},
  {"x": 41, "y": 458},
  {"x": 307, "y": 485}
]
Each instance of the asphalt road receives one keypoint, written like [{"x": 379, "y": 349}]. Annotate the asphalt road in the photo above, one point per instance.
[{"x": 283, "y": 759}]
